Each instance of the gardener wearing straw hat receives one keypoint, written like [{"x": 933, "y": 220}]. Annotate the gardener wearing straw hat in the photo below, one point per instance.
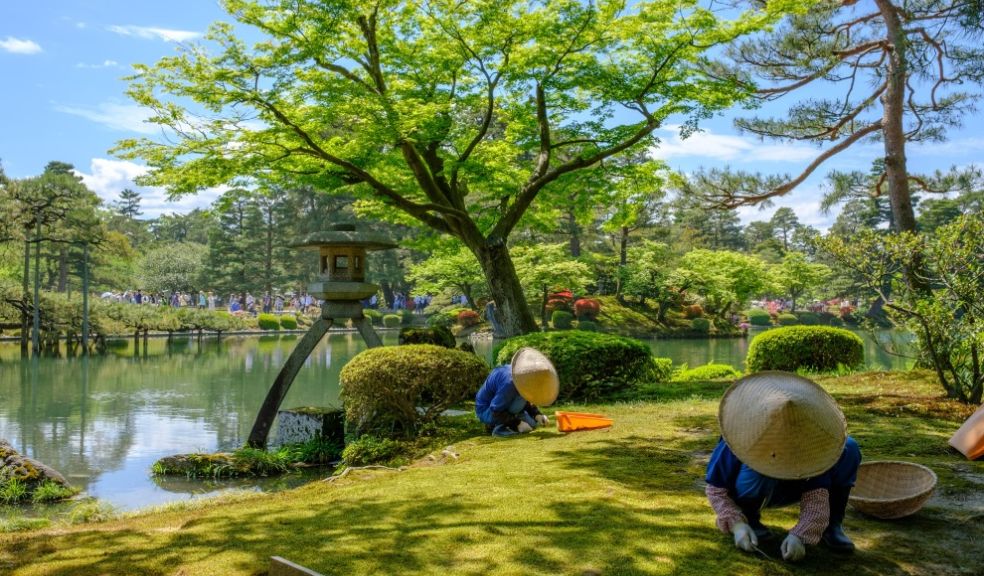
[
  {"x": 784, "y": 440},
  {"x": 507, "y": 401}
]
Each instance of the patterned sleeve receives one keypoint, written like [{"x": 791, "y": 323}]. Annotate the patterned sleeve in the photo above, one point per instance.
[
  {"x": 814, "y": 516},
  {"x": 728, "y": 513}
]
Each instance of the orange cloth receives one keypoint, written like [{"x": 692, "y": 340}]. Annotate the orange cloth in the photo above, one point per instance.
[{"x": 969, "y": 439}]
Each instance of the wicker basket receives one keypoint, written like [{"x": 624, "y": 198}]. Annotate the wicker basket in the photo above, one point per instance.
[{"x": 892, "y": 489}]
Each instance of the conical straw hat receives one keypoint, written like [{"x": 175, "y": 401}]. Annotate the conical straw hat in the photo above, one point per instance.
[
  {"x": 535, "y": 377},
  {"x": 782, "y": 425}
]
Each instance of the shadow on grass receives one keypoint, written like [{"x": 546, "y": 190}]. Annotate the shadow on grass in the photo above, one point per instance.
[{"x": 931, "y": 543}]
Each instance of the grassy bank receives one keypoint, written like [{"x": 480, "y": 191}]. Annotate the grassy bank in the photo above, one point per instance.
[{"x": 628, "y": 500}]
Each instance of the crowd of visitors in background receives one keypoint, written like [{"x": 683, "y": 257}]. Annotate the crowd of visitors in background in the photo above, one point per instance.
[
  {"x": 275, "y": 303},
  {"x": 243, "y": 302}
]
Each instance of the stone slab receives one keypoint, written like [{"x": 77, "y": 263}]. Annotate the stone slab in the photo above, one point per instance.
[{"x": 297, "y": 425}]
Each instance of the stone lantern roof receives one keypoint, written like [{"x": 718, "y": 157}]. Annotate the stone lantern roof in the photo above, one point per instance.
[
  {"x": 346, "y": 235},
  {"x": 342, "y": 256}
]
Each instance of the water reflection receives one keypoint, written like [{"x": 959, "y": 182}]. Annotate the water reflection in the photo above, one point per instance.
[{"x": 102, "y": 421}]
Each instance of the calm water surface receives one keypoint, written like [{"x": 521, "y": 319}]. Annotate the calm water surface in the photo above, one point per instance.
[{"x": 102, "y": 421}]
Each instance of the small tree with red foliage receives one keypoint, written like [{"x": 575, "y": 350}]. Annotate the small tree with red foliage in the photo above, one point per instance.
[{"x": 587, "y": 309}]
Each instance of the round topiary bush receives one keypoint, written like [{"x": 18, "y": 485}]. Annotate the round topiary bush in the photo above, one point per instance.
[
  {"x": 468, "y": 318},
  {"x": 808, "y": 318},
  {"x": 836, "y": 321},
  {"x": 814, "y": 348},
  {"x": 374, "y": 316},
  {"x": 587, "y": 325},
  {"x": 392, "y": 321},
  {"x": 587, "y": 309},
  {"x": 758, "y": 317},
  {"x": 700, "y": 325},
  {"x": 268, "y": 322},
  {"x": 590, "y": 365},
  {"x": 391, "y": 391},
  {"x": 707, "y": 372},
  {"x": 693, "y": 311},
  {"x": 288, "y": 322},
  {"x": 562, "y": 320},
  {"x": 436, "y": 335},
  {"x": 787, "y": 319}
]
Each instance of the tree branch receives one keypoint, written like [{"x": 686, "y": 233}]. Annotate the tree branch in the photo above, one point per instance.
[
  {"x": 534, "y": 185},
  {"x": 732, "y": 199}
]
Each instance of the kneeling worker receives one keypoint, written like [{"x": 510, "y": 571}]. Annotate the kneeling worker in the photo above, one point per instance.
[
  {"x": 507, "y": 401},
  {"x": 784, "y": 440}
]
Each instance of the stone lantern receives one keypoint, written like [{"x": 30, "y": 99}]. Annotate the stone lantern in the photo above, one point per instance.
[
  {"x": 341, "y": 285},
  {"x": 342, "y": 262}
]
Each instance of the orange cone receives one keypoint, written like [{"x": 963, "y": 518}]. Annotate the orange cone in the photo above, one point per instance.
[{"x": 573, "y": 421}]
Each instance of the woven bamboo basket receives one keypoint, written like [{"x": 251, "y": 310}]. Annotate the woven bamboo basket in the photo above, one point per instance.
[{"x": 892, "y": 489}]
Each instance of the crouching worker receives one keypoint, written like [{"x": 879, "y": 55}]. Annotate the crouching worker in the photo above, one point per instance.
[
  {"x": 784, "y": 440},
  {"x": 507, "y": 401}
]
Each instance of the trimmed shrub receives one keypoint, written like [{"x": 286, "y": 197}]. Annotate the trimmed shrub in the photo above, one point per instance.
[
  {"x": 587, "y": 325},
  {"x": 700, "y": 325},
  {"x": 374, "y": 316},
  {"x": 439, "y": 319},
  {"x": 587, "y": 309},
  {"x": 468, "y": 318},
  {"x": 557, "y": 302},
  {"x": 288, "y": 322},
  {"x": 836, "y": 321},
  {"x": 391, "y": 391},
  {"x": 787, "y": 319},
  {"x": 562, "y": 320},
  {"x": 591, "y": 366},
  {"x": 814, "y": 348},
  {"x": 391, "y": 321},
  {"x": 372, "y": 450},
  {"x": 437, "y": 335},
  {"x": 693, "y": 311},
  {"x": 268, "y": 322},
  {"x": 808, "y": 318},
  {"x": 707, "y": 372},
  {"x": 758, "y": 317},
  {"x": 662, "y": 369},
  {"x": 406, "y": 317}
]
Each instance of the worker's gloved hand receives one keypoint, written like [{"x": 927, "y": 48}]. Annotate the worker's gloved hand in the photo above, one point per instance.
[
  {"x": 542, "y": 419},
  {"x": 745, "y": 538},
  {"x": 793, "y": 549},
  {"x": 524, "y": 427}
]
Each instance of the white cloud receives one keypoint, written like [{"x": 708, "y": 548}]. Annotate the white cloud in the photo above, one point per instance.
[
  {"x": 805, "y": 203},
  {"x": 105, "y": 64},
  {"x": 152, "y": 33},
  {"x": 950, "y": 148},
  {"x": 706, "y": 144},
  {"x": 107, "y": 178},
  {"x": 18, "y": 46},
  {"x": 125, "y": 117}
]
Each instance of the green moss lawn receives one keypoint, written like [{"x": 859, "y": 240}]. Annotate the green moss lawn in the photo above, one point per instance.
[{"x": 628, "y": 500}]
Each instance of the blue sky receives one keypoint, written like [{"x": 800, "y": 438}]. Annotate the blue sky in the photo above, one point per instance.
[{"x": 63, "y": 99}]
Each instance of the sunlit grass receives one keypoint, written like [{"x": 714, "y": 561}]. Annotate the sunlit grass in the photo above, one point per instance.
[{"x": 627, "y": 500}]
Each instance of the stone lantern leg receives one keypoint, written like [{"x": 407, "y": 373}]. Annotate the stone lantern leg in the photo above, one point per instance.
[{"x": 342, "y": 286}]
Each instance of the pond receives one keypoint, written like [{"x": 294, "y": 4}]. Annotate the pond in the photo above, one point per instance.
[{"x": 102, "y": 421}]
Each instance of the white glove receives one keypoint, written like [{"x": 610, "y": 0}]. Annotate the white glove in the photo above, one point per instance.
[
  {"x": 524, "y": 427},
  {"x": 745, "y": 538},
  {"x": 793, "y": 549},
  {"x": 542, "y": 419}
]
